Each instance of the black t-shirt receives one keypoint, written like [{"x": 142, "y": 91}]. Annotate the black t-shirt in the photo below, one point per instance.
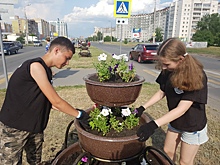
[
  {"x": 25, "y": 106},
  {"x": 194, "y": 118}
]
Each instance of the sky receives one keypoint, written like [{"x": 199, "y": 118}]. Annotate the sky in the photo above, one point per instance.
[{"x": 82, "y": 16}]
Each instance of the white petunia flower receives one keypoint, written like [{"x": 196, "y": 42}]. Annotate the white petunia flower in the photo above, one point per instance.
[
  {"x": 102, "y": 57},
  {"x": 126, "y": 112},
  {"x": 106, "y": 111}
]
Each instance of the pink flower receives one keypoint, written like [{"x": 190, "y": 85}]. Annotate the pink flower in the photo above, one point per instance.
[{"x": 84, "y": 159}]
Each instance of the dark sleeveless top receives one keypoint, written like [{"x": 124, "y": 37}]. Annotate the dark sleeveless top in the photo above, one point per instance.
[
  {"x": 194, "y": 118},
  {"x": 25, "y": 106}
]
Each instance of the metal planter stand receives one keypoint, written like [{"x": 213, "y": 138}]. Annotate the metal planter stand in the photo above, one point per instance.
[{"x": 149, "y": 156}]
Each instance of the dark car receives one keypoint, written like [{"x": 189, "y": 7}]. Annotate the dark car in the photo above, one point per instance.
[
  {"x": 144, "y": 52},
  {"x": 19, "y": 44},
  {"x": 10, "y": 48},
  {"x": 37, "y": 43}
]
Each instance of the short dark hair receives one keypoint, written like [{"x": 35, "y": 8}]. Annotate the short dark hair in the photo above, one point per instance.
[{"x": 63, "y": 41}]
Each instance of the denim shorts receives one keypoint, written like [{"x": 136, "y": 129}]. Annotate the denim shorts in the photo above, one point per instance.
[{"x": 194, "y": 138}]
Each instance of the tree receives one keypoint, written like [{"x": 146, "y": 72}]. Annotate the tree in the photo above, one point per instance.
[
  {"x": 90, "y": 39},
  {"x": 21, "y": 39},
  {"x": 100, "y": 36},
  {"x": 204, "y": 36},
  {"x": 208, "y": 29},
  {"x": 107, "y": 39},
  {"x": 159, "y": 35},
  {"x": 217, "y": 39}
]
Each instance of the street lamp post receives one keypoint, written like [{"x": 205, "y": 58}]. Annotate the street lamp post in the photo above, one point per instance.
[
  {"x": 26, "y": 26},
  {"x": 3, "y": 55},
  {"x": 111, "y": 30},
  {"x": 154, "y": 22}
]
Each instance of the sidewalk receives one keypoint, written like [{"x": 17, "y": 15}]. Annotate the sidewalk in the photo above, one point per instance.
[{"x": 69, "y": 77}]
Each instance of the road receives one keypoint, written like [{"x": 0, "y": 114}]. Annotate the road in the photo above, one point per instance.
[{"x": 211, "y": 65}]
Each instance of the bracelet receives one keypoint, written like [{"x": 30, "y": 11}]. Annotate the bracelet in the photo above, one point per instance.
[{"x": 79, "y": 115}]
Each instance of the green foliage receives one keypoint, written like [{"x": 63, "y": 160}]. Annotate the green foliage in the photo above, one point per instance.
[
  {"x": 99, "y": 36},
  {"x": 125, "y": 41},
  {"x": 112, "y": 119},
  {"x": 21, "y": 39},
  {"x": 114, "y": 69},
  {"x": 207, "y": 29},
  {"x": 107, "y": 39},
  {"x": 103, "y": 69},
  {"x": 114, "y": 39},
  {"x": 115, "y": 124},
  {"x": 127, "y": 73},
  {"x": 217, "y": 39},
  {"x": 99, "y": 122},
  {"x": 204, "y": 36},
  {"x": 131, "y": 121},
  {"x": 159, "y": 35}
]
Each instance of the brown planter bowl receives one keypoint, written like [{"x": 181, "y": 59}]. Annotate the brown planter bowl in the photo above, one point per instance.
[
  {"x": 113, "y": 94},
  {"x": 111, "y": 148},
  {"x": 67, "y": 153}
]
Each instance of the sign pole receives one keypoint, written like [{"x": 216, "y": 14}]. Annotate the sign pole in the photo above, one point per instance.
[
  {"x": 120, "y": 39},
  {"x": 122, "y": 10}
]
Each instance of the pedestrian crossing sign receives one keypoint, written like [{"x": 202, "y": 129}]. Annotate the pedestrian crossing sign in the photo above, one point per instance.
[{"x": 122, "y": 8}]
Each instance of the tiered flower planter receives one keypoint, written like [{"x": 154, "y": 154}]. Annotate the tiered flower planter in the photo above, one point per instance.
[{"x": 112, "y": 95}]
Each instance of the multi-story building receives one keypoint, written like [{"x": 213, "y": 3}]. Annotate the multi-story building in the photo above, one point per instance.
[
  {"x": 45, "y": 28},
  {"x": 108, "y": 31},
  {"x": 219, "y": 7},
  {"x": 177, "y": 20},
  {"x": 61, "y": 27},
  {"x": 6, "y": 28},
  {"x": 19, "y": 26}
]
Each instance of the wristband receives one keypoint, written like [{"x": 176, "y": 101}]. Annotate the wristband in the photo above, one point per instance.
[{"x": 79, "y": 115}]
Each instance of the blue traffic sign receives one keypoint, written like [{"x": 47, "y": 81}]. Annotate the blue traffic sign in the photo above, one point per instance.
[{"x": 122, "y": 8}]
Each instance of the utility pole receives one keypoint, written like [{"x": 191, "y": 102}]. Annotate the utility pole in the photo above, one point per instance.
[
  {"x": 154, "y": 21},
  {"x": 26, "y": 24},
  {"x": 58, "y": 26},
  {"x": 3, "y": 56}
]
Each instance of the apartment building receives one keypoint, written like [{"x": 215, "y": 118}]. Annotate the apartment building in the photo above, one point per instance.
[
  {"x": 19, "y": 26},
  {"x": 61, "y": 27},
  {"x": 177, "y": 20},
  {"x": 45, "y": 28}
]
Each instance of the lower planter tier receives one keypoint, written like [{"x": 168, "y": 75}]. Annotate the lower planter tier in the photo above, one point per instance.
[{"x": 110, "y": 148}]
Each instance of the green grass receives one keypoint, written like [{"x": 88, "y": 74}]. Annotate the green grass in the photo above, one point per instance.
[
  {"x": 78, "y": 61},
  {"x": 213, "y": 51}
]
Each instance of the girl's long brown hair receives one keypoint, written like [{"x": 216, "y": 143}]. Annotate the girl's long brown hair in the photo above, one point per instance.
[{"x": 189, "y": 73}]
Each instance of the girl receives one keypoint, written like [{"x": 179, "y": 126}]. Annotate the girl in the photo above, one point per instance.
[{"x": 184, "y": 84}]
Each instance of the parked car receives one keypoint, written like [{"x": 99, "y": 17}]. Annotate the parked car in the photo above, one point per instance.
[
  {"x": 144, "y": 52},
  {"x": 19, "y": 44},
  {"x": 37, "y": 43},
  {"x": 10, "y": 48}
]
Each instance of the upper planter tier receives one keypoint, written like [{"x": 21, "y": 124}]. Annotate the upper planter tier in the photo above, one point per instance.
[{"x": 113, "y": 94}]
